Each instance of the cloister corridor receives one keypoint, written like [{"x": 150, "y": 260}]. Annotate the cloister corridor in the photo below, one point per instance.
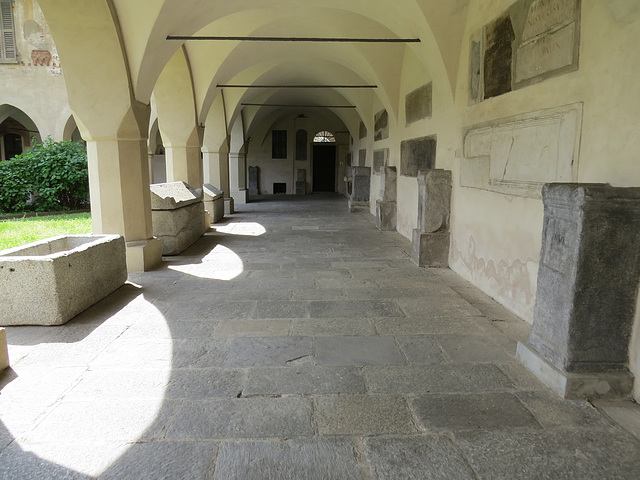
[{"x": 294, "y": 341}]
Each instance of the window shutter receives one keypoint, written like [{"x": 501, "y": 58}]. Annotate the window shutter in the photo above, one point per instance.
[{"x": 7, "y": 37}]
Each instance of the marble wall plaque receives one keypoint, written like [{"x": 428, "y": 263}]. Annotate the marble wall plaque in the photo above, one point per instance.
[
  {"x": 547, "y": 15},
  {"x": 417, "y": 154},
  {"x": 549, "y": 53},
  {"x": 498, "y": 53},
  {"x": 380, "y": 159},
  {"x": 381, "y": 122},
  {"x": 418, "y": 103}
]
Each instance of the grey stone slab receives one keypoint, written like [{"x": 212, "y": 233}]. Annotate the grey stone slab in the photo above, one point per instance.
[
  {"x": 259, "y": 294},
  {"x": 205, "y": 383},
  {"x": 552, "y": 411},
  {"x": 422, "y": 349},
  {"x": 309, "y": 459},
  {"x": 479, "y": 411},
  {"x": 427, "y": 326},
  {"x": 17, "y": 462},
  {"x": 165, "y": 461},
  {"x": 253, "y": 328},
  {"x": 332, "y": 326},
  {"x": 347, "y": 350},
  {"x": 354, "y": 308},
  {"x": 424, "y": 457},
  {"x": 438, "y": 307},
  {"x": 279, "y": 283},
  {"x": 363, "y": 415},
  {"x": 317, "y": 294},
  {"x": 195, "y": 310},
  {"x": 557, "y": 454},
  {"x": 285, "y": 309},
  {"x": 269, "y": 351},
  {"x": 332, "y": 283},
  {"x": 473, "y": 348},
  {"x": 437, "y": 378},
  {"x": 303, "y": 380},
  {"x": 201, "y": 353},
  {"x": 240, "y": 418}
]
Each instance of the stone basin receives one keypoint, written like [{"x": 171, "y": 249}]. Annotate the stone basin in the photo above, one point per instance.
[{"x": 51, "y": 281}]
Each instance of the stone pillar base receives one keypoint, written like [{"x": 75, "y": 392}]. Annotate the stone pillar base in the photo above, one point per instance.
[
  {"x": 613, "y": 384},
  {"x": 4, "y": 353},
  {"x": 386, "y": 216},
  {"x": 239, "y": 196},
  {"x": 143, "y": 256},
  {"x": 301, "y": 188},
  {"x": 430, "y": 249},
  {"x": 228, "y": 206},
  {"x": 358, "y": 206}
]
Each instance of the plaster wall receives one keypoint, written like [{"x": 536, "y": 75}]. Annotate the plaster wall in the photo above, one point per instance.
[
  {"x": 281, "y": 170},
  {"x": 34, "y": 84}
]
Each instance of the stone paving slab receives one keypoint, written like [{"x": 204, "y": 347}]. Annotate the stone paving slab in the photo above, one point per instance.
[
  {"x": 438, "y": 378},
  {"x": 354, "y": 308},
  {"x": 240, "y": 418},
  {"x": 422, "y": 349},
  {"x": 558, "y": 454},
  {"x": 303, "y": 380},
  {"x": 314, "y": 459},
  {"x": 357, "y": 351},
  {"x": 363, "y": 415},
  {"x": 328, "y": 327},
  {"x": 428, "y": 457},
  {"x": 266, "y": 351},
  {"x": 473, "y": 348},
  {"x": 484, "y": 411}
]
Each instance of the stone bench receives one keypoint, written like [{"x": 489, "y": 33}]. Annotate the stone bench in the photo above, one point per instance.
[{"x": 51, "y": 281}]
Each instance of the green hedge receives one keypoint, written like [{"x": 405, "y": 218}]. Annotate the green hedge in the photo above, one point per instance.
[{"x": 48, "y": 177}]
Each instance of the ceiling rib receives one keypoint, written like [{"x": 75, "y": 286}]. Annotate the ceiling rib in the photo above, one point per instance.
[
  {"x": 294, "y": 39},
  {"x": 294, "y": 86},
  {"x": 296, "y": 106}
]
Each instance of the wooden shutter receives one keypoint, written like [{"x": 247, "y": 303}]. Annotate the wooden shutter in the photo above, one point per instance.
[{"x": 7, "y": 34}]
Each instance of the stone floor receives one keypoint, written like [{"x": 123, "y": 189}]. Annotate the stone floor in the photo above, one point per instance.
[{"x": 294, "y": 341}]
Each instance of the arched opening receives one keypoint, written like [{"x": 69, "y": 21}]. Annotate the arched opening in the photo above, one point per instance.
[
  {"x": 324, "y": 137},
  {"x": 16, "y": 131}
]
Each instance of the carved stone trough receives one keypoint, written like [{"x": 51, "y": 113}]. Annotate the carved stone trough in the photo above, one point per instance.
[{"x": 51, "y": 281}]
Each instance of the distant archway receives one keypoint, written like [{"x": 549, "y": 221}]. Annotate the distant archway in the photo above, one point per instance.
[{"x": 16, "y": 131}]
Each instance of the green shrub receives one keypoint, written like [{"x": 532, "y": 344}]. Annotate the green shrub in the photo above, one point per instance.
[{"x": 52, "y": 176}]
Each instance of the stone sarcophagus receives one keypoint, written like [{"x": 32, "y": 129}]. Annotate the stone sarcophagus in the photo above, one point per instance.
[
  {"x": 213, "y": 202},
  {"x": 51, "y": 281},
  {"x": 177, "y": 212}
]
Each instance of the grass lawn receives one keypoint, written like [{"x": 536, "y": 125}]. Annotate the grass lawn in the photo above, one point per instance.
[{"x": 25, "y": 230}]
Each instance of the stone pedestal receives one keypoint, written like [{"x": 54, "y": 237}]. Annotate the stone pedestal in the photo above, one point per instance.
[
  {"x": 178, "y": 215},
  {"x": 587, "y": 290},
  {"x": 386, "y": 207},
  {"x": 431, "y": 238},
  {"x": 360, "y": 189},
  {"x": 254, "y": 181},
  {"x": 213, "y": 202},
  {"x": 301, "y": 182},
  {"x": 228, "y": 206},
  {"x": 4, "y": 353}
]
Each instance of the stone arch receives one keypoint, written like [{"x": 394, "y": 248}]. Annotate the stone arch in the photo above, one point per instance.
[{"x": 16, "y": 131}]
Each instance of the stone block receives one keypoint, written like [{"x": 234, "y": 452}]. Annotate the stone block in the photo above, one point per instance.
[
  {"x": 213, "y": 202},
  {"x": 4, "y": 353},
  {"x": 587, "y": 286},
  {"x": 386, "y": 216},
  {"x": 301, "y": 187},
  {"x": 430, "y": 249},
  {"x": 418, "y": 103},
  {"x": 360, "y": 179},
  {"x": 434, "y": 200},
  {"x": 228, "y": 206},
  {"x": 177, "y": 215},
  {"x": 51, "y": 281}
]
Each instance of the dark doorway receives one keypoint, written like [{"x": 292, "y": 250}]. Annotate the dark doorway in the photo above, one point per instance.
[{"x": 324, "y": 168}]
